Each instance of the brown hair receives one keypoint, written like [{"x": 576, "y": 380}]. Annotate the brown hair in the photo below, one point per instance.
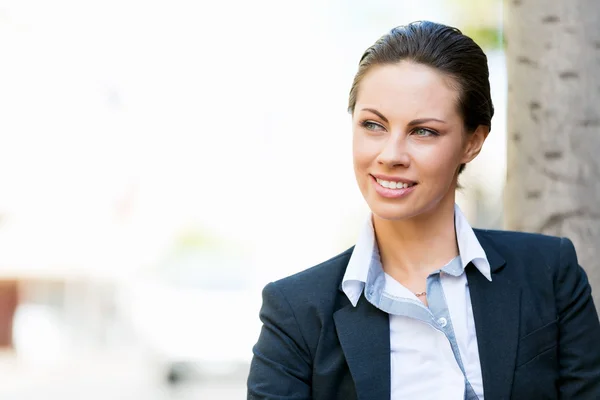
[{"x": 445, "y": 49}]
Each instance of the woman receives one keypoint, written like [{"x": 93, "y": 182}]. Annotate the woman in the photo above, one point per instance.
[{"x": 424, "y": 306}]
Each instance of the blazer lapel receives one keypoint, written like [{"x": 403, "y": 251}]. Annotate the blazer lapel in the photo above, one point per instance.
[
  {"x": 496, "y": 311},
  {"x": 364, "y": 333}
]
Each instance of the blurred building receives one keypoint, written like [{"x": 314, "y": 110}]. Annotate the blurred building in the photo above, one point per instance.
[
  {"x": 46, "y": 316},
  {"x": 9, "y": 294}
]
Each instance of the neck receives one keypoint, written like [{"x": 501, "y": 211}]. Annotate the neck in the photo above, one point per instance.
[{"x": 419, "y": 245}]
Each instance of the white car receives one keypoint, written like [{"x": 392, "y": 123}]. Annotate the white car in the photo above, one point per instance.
[{"x": 197, "y": 314}]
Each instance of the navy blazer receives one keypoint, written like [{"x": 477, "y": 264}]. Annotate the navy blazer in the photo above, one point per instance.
[{"x": 537, "y": 329}]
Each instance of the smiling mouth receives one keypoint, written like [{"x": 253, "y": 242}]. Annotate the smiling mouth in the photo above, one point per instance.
[{"x": 393, "y": 184}]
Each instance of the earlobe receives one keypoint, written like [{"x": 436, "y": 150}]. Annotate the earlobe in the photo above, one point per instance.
[{"x": 475, "y": 143}]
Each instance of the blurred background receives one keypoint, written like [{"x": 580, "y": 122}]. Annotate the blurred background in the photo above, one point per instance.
[{"x": 159, "y": 158}]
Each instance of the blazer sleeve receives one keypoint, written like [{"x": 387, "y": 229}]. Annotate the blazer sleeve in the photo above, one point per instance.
[
  {"x": 281, "y": 364},
  {"x": 579, "y": 329}
]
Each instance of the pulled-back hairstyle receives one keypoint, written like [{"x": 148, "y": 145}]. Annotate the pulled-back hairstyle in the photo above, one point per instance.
[{"x": 445, "y": 49}]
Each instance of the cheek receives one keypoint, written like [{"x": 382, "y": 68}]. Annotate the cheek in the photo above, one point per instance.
[
  {"x": 363, "y": 156},
  {"x": 362, "y": 152},
  {"x": 440, "y": 161}
]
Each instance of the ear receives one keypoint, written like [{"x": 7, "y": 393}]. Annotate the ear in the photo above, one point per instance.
[{"x": 475, "y": 143}]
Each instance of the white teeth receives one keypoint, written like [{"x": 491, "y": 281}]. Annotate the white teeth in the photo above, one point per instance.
[{"x": 392, "y": 185}]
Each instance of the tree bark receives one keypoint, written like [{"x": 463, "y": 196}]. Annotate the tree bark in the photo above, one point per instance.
[{"x": 553, "y": 127}]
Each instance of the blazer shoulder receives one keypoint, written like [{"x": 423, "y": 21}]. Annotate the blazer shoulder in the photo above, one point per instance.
[
  {"x": 535, "y": 253},
  {"x": 321, "y": 278},
  {"x": 518, "y": 240}
]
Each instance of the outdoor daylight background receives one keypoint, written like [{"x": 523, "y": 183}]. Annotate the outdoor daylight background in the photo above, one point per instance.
[{"x": 158, "y": 161}]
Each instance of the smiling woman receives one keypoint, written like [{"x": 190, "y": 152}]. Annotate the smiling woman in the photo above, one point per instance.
[
  {"x": 424, "y": 306},
  {"x": 405, "y": 113}
]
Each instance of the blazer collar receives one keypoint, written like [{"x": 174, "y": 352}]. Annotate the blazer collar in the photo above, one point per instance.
[
  {"x": 364, "y": 334},
  {"x": 496, "y": 310},
  {"x": 495, "y": 259}
]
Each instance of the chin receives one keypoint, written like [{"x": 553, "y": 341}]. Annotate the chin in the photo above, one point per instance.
[
  {"x": 404, "y": 209},
  {"x": 393, "y": 212}
]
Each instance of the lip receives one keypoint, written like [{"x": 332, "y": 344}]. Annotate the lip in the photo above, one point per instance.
[
  {"x": 392, "y": 193},
  {"x": 393, "y": 179}
]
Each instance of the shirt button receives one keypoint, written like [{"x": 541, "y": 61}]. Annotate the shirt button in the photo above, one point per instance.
[{"x": 442, "y": 322}]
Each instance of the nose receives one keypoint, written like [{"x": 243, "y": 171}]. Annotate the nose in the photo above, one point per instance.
[{"x": 395, "y": 152}]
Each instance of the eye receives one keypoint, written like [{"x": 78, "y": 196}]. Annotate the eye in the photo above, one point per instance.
[
  {"x": 425, "y": 132},
  {"x": 371, "y": 126}
]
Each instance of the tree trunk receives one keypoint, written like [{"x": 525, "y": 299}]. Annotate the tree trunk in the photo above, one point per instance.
[{"x": 553, "y": 127}]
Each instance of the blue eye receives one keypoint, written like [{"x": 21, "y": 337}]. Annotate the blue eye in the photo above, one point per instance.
[
  {"x": 425, "y": 132},
  {"x": 371, "y": 126}
]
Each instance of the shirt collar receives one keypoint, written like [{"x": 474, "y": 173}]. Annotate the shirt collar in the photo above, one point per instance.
[
  {"x": 469, "y": 248},
  {"x": 366, "y": 252}
]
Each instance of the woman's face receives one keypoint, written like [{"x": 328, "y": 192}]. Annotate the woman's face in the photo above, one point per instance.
[{"x": 409, "y": 140}]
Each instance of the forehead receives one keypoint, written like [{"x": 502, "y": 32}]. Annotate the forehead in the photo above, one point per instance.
[{"x": 408, "y": 89}]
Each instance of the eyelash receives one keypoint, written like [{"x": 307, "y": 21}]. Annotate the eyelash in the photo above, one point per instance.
[
  {"x": 431, "y": 131},
  {"x": 368, "y": 125}
]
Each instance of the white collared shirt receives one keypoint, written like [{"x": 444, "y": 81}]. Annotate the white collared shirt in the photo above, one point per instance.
[{"x": 430, "y": 347}]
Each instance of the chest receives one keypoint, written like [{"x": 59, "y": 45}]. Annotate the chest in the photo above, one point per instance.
[{"x": 439, "y": 345}]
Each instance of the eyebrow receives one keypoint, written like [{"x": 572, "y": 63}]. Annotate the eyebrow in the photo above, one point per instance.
[
  {"x": 414, "y": 122},
  {"x": 380, "y": 115},
  {"x": 424, "y": 120}
]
